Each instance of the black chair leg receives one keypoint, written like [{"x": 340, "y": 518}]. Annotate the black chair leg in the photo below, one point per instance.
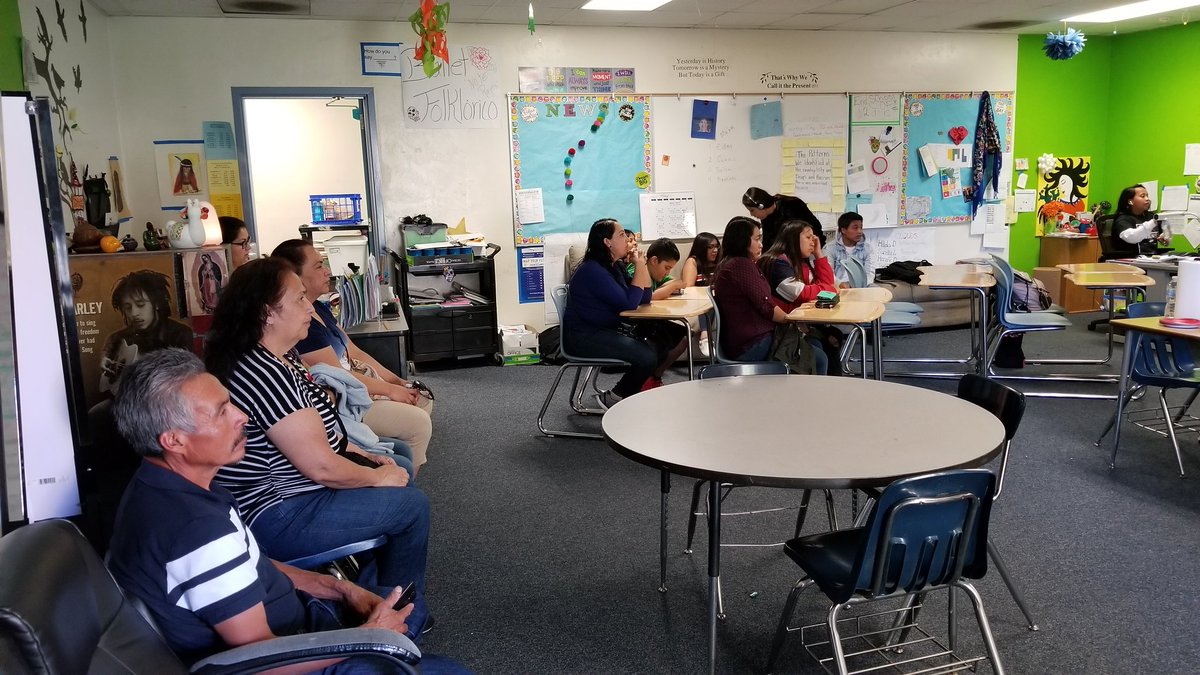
[
  {"x": 782, "y": 631},
  {"x": 695, "y": 507}
]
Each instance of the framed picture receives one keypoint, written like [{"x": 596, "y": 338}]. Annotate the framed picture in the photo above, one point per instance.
[{"x": 205, "y": 273}]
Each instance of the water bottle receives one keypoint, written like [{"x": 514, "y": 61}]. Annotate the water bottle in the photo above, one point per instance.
[{"x": 1170, "y": 309}]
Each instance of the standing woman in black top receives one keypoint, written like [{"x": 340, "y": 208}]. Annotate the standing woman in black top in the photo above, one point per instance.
[
  {"x": 1135, "y": 229},
  {"x": 775, "y": 210}
]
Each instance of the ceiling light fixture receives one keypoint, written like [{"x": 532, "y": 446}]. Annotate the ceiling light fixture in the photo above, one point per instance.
[
  {"x": 1132, "y": 11},
  {"x": 630, "y": 5}
]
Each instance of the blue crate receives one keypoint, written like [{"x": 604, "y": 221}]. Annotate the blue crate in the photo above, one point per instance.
[{"x": 342, "y": 209}]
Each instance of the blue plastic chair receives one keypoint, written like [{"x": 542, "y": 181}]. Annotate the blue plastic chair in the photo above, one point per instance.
[
  {"x": 858, "y": 279},
  {"x": 559, "y": 295},
  {"x": 926, "y": 533},
  {"x": 1158, "y": 361},
  {"x": 339, "y": 562}
]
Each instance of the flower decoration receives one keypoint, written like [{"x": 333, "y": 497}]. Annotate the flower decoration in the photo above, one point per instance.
[
  {"x": 1063, "y": 46},
  {"x": 429, "y": 23},
  {"x": 1046, "y": 163}
]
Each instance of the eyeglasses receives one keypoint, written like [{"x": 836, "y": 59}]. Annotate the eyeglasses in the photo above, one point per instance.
[
  {"x": 422, "y": 389},
  {"x": 244, "y": 244}
]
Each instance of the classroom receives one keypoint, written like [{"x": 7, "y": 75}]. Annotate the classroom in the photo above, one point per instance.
[{"x": 545, "y": 552}]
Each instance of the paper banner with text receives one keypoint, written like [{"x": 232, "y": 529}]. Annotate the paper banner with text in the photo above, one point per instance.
[
  {"x": 464, "y": 94},
  {"x": 224, "y": 181},
  {"x": 815, "y": 171}
]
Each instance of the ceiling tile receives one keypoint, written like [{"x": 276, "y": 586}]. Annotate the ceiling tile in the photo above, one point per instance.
[
  {"x": 812, "y": 21},
  {"x": 858, "y": 6},
  {"x": 389, "y": 10},
  {"x": 782, "y": 6},
  {"x": 749, "y": 19}
]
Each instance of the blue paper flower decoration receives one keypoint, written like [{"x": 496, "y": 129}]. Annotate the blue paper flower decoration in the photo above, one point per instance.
[{"x": 1062, "y": 46}]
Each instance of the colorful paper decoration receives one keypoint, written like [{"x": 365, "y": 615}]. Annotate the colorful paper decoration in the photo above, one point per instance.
[
  {"x": 429, "y": 23},
  {"x": 1063, "y": 46},
  {"x": 1046, "y": 163}
]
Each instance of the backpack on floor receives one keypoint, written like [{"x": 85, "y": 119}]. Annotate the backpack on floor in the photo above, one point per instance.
[
  {"x": 549, "y": 347},
  {"x": 1028, "y": 294},
  {"x": 1009, "y": 353}
]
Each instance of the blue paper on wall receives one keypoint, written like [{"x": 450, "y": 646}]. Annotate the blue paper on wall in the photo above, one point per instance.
[
  {"x": 766, "y": 119},
  {"x": 853, "y": 201},
  {"x": 704, "y": 119}
]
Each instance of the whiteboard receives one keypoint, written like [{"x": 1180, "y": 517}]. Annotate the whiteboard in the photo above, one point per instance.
[{"x": 719, "y": 171}]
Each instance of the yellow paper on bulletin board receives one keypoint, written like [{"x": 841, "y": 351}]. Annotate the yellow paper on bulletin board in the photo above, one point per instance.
[
  {"x": 815, "y": 171},
  {"x": 228, "y": 205}
]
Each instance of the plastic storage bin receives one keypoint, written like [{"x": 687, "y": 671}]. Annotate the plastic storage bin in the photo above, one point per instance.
[{"x": 336, "y": 209}]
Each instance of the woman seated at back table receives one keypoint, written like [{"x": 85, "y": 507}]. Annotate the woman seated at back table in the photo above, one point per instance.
[
  {"x": 1135, "y": 228},
  {"x": 302, "y": 487},
  {"x": 742, "y": 294},
  {"x": 599, "y": 291},
  {"x": 797, "y": 270},
  {"x": 399, "y": 411}
]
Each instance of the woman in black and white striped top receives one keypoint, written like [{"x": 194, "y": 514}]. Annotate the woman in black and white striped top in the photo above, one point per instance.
[{"x": 302, "y": 487}]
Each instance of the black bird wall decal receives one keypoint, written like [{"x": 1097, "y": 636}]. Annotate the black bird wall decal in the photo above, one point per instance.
[
  {"x": 78, "y": 80},
  {"x": 62, "y": 15},
  {"x": 83, "y": 20}
]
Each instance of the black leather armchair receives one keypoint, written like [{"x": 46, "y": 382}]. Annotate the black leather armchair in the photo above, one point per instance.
[{"x": 61, "y": 612}]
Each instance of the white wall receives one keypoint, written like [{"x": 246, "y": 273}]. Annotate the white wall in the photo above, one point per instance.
[
  {"x": 456, "y": 174},
  {"x": 92, "y": 109},
  {"x": 284, "y": 173}
]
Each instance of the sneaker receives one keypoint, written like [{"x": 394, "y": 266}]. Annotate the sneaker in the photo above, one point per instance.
[
  {"x": 652, "y": 383},
  {"x": 704, "y": 346},
  {"x": 606, "y": 399}
]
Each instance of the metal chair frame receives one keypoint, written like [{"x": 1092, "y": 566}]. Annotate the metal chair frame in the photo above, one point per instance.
[
  {"x": 1160, "y": 359},
  {"x": 895, "y": 638},
  {"x": 559, "y": 294},
  {"x": 748, "y": 370},
  {"x": 1004, "y": 327}
]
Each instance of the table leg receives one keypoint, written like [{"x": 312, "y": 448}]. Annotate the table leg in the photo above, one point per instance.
[
  {"x": 974, "y": 334},
  {"x": 877, "y": 348},
  {"x": 984, "y": 320},
  {"x": 714, "y": 568},
  {"x": 691, "y": 361},
  {"x": 665, "y": 486},
  {"x": 1126, "y": 367}
]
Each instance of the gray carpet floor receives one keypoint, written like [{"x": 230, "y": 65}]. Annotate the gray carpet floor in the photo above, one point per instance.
[{"x": 544, "y": 552}]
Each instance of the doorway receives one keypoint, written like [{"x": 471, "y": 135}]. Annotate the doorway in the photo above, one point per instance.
[{"x": 295, "y": 142}]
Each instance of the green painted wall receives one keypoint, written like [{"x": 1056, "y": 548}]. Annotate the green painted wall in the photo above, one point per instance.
[
  {"x": 11, "y": 77},
  {"x": 1154, "y": 107},
  {"x": 1061, "y": 109},
  {"x": 1128, "y": 100}
]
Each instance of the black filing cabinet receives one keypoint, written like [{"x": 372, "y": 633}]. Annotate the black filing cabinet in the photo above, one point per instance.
[{"x": 440, "y": 332}]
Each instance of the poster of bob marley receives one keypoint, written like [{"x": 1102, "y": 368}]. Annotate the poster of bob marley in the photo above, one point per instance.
[
  {"x": 126, "y": 305},
  {"x": 1062, "y": 192}
]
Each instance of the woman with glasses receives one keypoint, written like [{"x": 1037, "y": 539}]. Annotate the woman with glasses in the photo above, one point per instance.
[
  {"x": 235, "y": 232},
  {"x": 401, "y": 408}
]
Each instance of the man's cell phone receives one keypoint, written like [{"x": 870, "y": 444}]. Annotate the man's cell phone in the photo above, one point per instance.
[{"x": 406, "y": 597}]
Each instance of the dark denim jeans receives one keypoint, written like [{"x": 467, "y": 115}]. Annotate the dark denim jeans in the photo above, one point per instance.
[
  {"x": 608, "y": 343},
  {"x": 326, "y": 519}
]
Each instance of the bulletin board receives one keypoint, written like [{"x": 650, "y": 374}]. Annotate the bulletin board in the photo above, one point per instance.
[
  {"x": 928, "y": 118},
  {"x": 877, "y": 149},
  {"x": 719, "y": 170},
  {"x": 607, "y": 172}
]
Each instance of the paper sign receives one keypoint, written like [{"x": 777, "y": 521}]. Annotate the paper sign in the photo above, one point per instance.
[
  {"x": 1174, "y": 198},
  {"x": 927, "y": 161},
  {"x": 1025, "y": 199},
  {"x": 1191, "y": 159},
  {"x": 857, "y": 180},
  {"x": 766, "y": 119},
  {"x": 529, "y": 206},
  {"x": 918, "y": 206},
  {"x": 874, "y": 215},
  {"x": 951, "y": 183},
  {"x": 704, "y": 119},
  {"x": 1023, "y": 181},
  {"x": 813, "y": 175},
  {"x": 1021, "y": 164},
  {"x": 949, "y": 156},
  {"x": 989, "y": 215},
  {"x": 381, "y": 58}
]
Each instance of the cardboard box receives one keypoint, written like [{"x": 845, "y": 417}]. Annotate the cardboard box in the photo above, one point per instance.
[{"x": 518, "y": 345}]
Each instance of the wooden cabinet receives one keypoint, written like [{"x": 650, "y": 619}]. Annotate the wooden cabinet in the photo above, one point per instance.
[{"x": 1064, "y": 250}]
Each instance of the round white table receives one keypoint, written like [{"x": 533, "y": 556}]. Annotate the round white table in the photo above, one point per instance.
[{"x": 796, "y": 431}]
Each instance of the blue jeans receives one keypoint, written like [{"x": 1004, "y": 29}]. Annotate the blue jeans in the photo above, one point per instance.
[
  {"x": 325, "y": 615},
  {"x": 401, "y": 453},
  {"x": 325, "y": 519},
  {"x": 760, "y": 350},
  {"x": 608, "y": 343}
]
